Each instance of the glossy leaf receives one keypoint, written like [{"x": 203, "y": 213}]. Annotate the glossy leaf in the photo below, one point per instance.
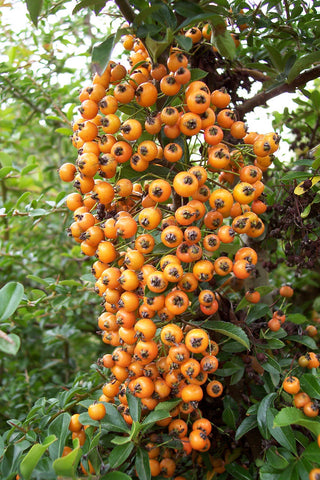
[
  {"x": 134, "y": 404},
  {"x": 142, "y": 464},
  {"x": 249, "y": 423},
  {"x": 311, "y": 385},
  {"x": 264, "y": 406},
  {"x": 67, "y": 466},
  {"x": 230, "y": 330},
  {"x": 302, "y": 63},
  {"x": 293, "y": 416},
  {"x": 119, "y": 454}
]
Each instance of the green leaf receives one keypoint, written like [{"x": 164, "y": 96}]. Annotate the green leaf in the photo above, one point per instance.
[
  {"x": 22, "y": 199},
  {"x": 34, "y": 9},
  {"x": 230, "y": 330},
  {"x": 5, "y": 170},
  {"x": 156, "y": 47},
  {"x": 101, "y": 53},
  {"x": 311, "y": 385},
  {"x": 293, "y": 416},
  {"x": 64, "y": 131},
  {"x": 32, "y": 458},
  {"x": 10, "y": 298},
  {"x": 142, "y": 464},
  {"x": 120, "y": 454},
  {"x": 297, "y": 318},
  {"x": 264, "y": 406},
  {"x": 312, "y": 452},
  {"x": 197, "y": 74},
  {"x": 113, "y": 420},
  {"x": 303, "y": 340},
  {"x": 134, "y": 404},
  {"x": 229, "y": 417},
  {"x": 283, "y": 435},
  {"x": 302, "y": 63},
  {"x": 155, "y": 416},
  {"x": 121, "y": 440},
  {"x": 225, "y": 45},
  {"x": 238, "y": 472},
  {"x": 67, "y": 466},
  {"x": 168, "y": 405},
  {"x": 249, "y": 423},
  {"x": 275, "y": 459},
  {"x": 275, "y": 57},
  {"x": 28, "y": 168},
  {"x": 257, "y": 311},
  {"x": 60, "y": 428},
  {"x": 184, "y": 42},
  {"x": 10, "y": 343},
  {"x": 116, "y": 476}
]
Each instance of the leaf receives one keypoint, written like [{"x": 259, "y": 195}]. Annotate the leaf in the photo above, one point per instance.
[
  {"x": 297, "y": 318},
  {"x": 311, "y": 385},
  {"x": 197, "y": 74},
  {"x": 113, "y": 420},
  {"x": 275, "y": 57},
  {"x": 67, "y": 466},
  {"x": 10, "y": 298},
  {"x": 22, "y": 198},
  {"x": 5, "y": 170},
  {"x": 120, "y": 454},
  {"x": 184, "y": 42},
  {"x": 64, "y": 131},
  {"x": 264, "y": 406},
  {"x": 275, "y": 459},
  {"x": 229, "y": 330},
  {"x": 302, "y": 63},
  {"x": 312, "y": 452},
  {"x": 156, "y": 47},
  {"x": 60, "y": 428},
  {"x": 32, "y": 458},
  {"x": 300, "y": 189},
  {"x": 225, "y": 45},
  {"x": 28, "y": 168},
  {"x": 121, "y": 440},
  {"x": 283, "y": 435},
  {"x": 34, "y": 9},
  {"x": 116, "y": 476},
  {"x": 293, "y": 416},
  {"x": 249, "y": 423},
  {"x": 238, "y": 472},
  {"x": 155, "y": 416},
  {"x": 168, "y": 405},
  {"x": 9, "y": 343},
  {"x": 134, "y": 404},
  {"x": 101, "y": 53},
  {"x": 142, "y": 464},
  {"x": 257, "y": 311},
  {"x": 303, "y": 340}
]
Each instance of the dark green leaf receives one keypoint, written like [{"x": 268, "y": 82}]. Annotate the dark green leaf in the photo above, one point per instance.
[
  {"x": 184, "y": 42},
  {"x": 101, "y": 53},
  {"x": 230, "y": 330},
  {"x": 303, "y": 63},
  {"x": 311, "y": 385},
  {"x": 120, "y": 454},
  {"x": 155, "y": 416},
  {"x": 303, "y": 340},
  {"x": 134, "y": 404},
  {"x": 275, "y": 459},
  {"x": 238, "y": 472},
  {"x": 10, "y": 298},
  {"x": 283, "y": 435},
  {"x": 225, "y": 45},
  {"x": 113, "y": 420},
  {"x": 264, "y": 406},
  {"x": 257, "y": 311},
  {"x": 249, "y": 423},
  {"x": 60, "y": 428},
  {"x": 116, "y": 476},
  {"x": 34, "y": 9},
  {"x": 142, "y": 464}
]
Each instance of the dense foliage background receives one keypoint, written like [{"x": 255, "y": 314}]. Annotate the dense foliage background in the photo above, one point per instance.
[{"x": 48, "y": 310}]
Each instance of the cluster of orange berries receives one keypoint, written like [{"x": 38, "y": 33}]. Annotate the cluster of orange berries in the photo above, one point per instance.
[
  {"x": 122, "y": 224},
  {"x": 301, "y": 399}
]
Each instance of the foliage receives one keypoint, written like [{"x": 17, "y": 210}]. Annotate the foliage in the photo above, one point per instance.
[{"x": 48, "y": 346}]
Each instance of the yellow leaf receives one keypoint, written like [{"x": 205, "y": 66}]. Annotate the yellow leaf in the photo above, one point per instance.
[{"x": 301, "y": 188}]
